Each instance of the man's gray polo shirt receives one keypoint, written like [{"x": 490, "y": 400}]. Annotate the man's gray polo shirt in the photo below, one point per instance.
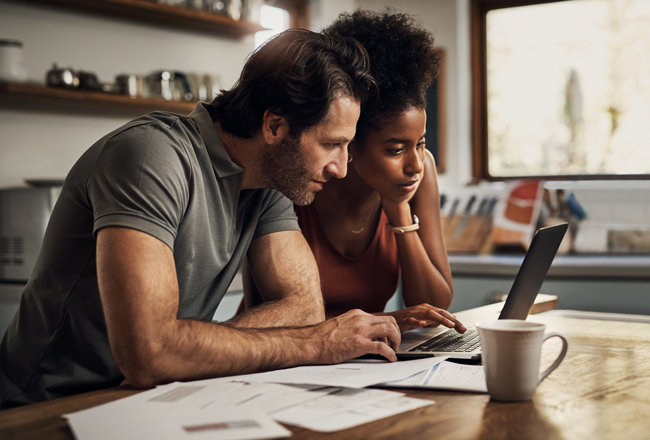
[{"x": 168, "y": 176}]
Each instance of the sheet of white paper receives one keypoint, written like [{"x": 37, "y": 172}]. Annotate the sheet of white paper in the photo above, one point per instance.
[
  {"x": 356, "y": 416},
  {"x": 342, "y": 400},
  {"x": 177, "y": 396},
  {"x": 284, "y": 396},
  {"x": 348, "y": 374},
  {"x": 446, "y": 376},
  {"x": 224, "y": 425}
]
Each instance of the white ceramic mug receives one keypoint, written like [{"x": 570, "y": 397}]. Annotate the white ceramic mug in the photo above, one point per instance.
[{"x": 511, "y": 350}]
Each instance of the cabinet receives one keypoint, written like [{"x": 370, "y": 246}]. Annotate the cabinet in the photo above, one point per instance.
[
  {"x": 596, "y": 284},
  {"x": 15, "y": 95}
]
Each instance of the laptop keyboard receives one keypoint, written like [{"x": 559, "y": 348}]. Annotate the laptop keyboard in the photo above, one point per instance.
[{"x": 451, "y": 342}]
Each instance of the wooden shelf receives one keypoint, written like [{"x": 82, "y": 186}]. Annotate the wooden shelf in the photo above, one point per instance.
[
  {"x": 35, "y": 95},
  {"x": 155, "y": 13}
]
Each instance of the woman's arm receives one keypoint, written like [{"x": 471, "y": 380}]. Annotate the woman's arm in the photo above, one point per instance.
[{"x": 426, "y": 275}]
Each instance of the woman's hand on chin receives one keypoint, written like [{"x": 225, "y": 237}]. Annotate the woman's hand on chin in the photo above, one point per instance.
[{"x": 398, "y": 213}]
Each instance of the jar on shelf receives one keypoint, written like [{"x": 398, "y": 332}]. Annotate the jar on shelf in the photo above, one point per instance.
[{"x": 12, "y": 61}]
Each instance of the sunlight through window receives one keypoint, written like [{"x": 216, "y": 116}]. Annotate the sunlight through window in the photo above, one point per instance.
[
  {"x": 569, "y": 88},
  {"x": 274, "y": 19}
]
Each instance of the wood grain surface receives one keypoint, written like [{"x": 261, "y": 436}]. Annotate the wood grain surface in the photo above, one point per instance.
[{"x": 600, "y": 391}]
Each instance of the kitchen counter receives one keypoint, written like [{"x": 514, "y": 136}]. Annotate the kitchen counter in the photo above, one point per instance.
[{"x": 565, "y": 266}]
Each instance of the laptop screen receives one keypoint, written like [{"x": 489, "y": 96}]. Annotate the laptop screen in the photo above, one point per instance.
[{"x": 532, "y": 272}]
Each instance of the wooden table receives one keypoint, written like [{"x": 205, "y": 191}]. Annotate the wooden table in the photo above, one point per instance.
[{"x": 600, "y": 391}]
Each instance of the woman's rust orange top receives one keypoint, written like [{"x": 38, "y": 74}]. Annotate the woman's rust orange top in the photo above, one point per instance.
[{"x": 364, "y": 282}]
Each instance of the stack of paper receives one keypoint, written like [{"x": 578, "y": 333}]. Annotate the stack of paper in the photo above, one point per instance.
[{"x": 322, "y": 398}]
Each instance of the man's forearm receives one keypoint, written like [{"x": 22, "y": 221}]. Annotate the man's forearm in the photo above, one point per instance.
[
  {"x": 191, "y": 350},
  {"x": 293, "y": 311}
]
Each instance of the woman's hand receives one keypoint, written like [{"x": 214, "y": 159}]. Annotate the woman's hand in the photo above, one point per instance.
[
  {"x": 398, "y": 210},
  {"x": 425, "y": 315}
]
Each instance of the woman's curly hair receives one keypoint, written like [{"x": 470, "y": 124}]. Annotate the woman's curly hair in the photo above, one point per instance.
[{"x": 403, "y": 61}]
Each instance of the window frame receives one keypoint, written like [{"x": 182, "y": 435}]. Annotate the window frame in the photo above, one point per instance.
[{"x": 479, "y": 136}]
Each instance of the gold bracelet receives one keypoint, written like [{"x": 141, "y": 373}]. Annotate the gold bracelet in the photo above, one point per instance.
[{"x": 404, "y": 229}]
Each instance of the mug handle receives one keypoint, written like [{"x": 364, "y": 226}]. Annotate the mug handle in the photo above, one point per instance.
[{"x": 559, "y": 359}]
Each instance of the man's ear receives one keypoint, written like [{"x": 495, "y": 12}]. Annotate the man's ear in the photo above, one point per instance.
[{"x": 274, "y": 127}]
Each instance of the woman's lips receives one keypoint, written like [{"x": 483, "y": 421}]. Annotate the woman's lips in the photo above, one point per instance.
[{"x": 408, "y": 186}]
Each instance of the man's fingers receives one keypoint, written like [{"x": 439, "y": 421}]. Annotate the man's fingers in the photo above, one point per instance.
[
  {"x": 394, "y": 322},
  {"x": 387, "y": 328},
  {"x": 383, "y": 350}
]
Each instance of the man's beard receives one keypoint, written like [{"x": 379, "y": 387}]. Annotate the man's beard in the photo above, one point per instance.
[{"x": 287, "y": 172}]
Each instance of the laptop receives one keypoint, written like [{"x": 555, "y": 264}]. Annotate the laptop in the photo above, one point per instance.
[{"x": 443, "y": 341}]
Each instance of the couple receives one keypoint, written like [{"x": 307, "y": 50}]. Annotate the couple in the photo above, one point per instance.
[{"x": 156, "y": 218}]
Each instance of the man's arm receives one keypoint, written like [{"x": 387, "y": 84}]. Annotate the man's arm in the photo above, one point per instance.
[
  {"x": 140, "y": 296},
  {"x": 282, "y": 271}
]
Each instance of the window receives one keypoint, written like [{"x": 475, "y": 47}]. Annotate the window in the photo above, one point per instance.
[
  {"x": 274, "y": 19},
  {"x": 280, "y": 15},
  {"x": 561, "y": 88}
]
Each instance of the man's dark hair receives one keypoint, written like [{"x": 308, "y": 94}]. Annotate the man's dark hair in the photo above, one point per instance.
[
  {"x": 297, "y": 74},
  {"x": 403, "y": 61}
]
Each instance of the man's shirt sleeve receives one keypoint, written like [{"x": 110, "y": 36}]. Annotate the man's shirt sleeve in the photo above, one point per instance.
[
  {"x": 140, "y": 181},
  {"x": 277, "y": 216}
]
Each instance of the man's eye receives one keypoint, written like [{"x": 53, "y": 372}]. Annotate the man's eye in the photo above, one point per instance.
[
  {"x": 421, "y": 145},
  {"x": 334, "y": 144}
]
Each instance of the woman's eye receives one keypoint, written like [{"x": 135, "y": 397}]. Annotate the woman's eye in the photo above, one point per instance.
[{"x": 395, "y": 151}]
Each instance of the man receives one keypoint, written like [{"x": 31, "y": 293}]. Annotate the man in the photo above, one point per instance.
[{"x": 155, "y": 219}]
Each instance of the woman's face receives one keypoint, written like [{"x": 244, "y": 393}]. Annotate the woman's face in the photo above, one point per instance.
[{"x": 392, "y": 159}]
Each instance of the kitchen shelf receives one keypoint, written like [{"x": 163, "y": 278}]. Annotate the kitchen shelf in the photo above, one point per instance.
[
  {"x": 35, "y": 95},
  {"x": 160, "y": 14}
]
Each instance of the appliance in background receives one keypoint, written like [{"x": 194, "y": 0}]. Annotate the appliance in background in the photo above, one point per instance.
[{"x": 24, "y": 213}]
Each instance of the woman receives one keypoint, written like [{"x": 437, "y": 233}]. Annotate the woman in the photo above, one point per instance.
[{"x": 382, "y": 221}]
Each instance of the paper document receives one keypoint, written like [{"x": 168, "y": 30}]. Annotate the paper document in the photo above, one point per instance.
[
  {"x": 343, "y": 399},
  {"x": 178, "y": 411},
  {"x": 353, "y": 374},
  {"x": 224, "y": 425},
  {"x": 446, "y": 376},
  {"x": 356, "y": 407}
]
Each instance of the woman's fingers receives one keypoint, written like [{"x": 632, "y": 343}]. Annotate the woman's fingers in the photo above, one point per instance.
[
  {"x": 449, "y": 320},
  {"x": 425, "y": 315}
]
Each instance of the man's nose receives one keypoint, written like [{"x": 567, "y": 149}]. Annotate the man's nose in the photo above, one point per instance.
[{"x": 338, "y": 165}]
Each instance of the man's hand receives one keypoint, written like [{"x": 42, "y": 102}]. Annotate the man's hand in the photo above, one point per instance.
[
  {"x": 425, "y": 315},
  {"x": 354, "y": 334}
]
